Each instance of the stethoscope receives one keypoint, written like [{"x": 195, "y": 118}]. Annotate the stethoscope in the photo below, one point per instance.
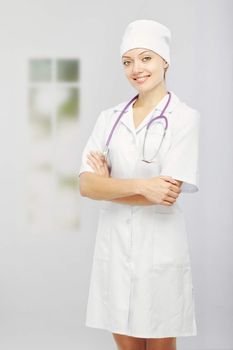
[{"x": 161, "y": 117}]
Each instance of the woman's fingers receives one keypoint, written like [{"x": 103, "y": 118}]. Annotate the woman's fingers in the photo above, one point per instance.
[
  {"x": 168, "y": 178},
  {"x": 98, "y": 155},
  {"x": 94, "y": 161},
  {"x": 92, "y": 164},
  {"x": 161, "y": 191},
  {"x": 171, "y": 187},
  {"x": 98, "y": 163},
  {"x": 169, "y": 199},
  {"x": 166, "y": 203},
  {"x": 172, "y": 194}
]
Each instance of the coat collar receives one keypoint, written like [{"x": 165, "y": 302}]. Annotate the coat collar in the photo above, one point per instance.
[{"x": 127, "y": 118}]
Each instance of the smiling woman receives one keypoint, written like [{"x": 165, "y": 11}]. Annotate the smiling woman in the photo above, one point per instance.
[
  {"x": 149, "y": 59},
  {"x": 141, "y": 155}
]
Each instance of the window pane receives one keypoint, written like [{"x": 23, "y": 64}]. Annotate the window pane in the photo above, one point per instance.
[
  {"x": 67, "y": 103},
  {"x": 40, "y": 70},
  {"x": 40, "y": 109},
  {"x": 67, "y": 70}
]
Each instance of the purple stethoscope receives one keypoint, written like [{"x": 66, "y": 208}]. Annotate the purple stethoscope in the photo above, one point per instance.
[{"x": 161, "y": 117}]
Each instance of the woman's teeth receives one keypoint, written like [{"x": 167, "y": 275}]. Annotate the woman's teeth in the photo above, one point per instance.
[{"x": 142, "y": 79}]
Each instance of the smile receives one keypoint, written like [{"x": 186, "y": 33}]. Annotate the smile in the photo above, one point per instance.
[{"x": 142, "y": 79}]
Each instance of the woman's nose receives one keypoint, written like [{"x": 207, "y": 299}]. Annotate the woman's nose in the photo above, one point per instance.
[{"x": 136, "y": 67}]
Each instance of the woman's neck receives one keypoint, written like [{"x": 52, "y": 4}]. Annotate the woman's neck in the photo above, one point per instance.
[{"x": 150, "y": 99}]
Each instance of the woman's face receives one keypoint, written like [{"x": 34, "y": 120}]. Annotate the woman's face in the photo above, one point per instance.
[{"x": 143, "y": 68}]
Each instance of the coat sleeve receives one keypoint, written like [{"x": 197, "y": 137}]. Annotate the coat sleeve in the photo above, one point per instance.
[
  {"x": 182, "y": 160},
  {"x": 96, "y": 141}
]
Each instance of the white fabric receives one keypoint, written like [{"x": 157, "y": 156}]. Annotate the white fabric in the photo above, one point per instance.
[
  {"x": 141, "y": 281},
  {"x": 147, "y": 34}
]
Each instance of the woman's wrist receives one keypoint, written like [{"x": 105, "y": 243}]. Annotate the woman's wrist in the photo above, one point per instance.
[{"x": 140, "y": 186}]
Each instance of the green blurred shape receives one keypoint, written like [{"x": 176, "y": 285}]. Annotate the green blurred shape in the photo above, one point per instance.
[
  {"x": 39, "y": 117},
  {"x": 40, "y": 70},
  {"x": 68, "y": 107},
  {"x": 65, "y": 181},
  {"x": 67, "y": 70}
]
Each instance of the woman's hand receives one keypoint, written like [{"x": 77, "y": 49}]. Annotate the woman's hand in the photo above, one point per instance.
[
  {"x": 163, "y": 190},
  {"x": 98, "y": 163}
]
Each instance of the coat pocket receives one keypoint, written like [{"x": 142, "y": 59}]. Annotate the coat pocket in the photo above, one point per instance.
[
  {"x": 173, "y": 309},
  {"x": 170, "y": 244}
]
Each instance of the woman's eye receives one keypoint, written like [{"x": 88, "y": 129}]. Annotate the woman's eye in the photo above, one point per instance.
[{"x": 146, "y": 58}]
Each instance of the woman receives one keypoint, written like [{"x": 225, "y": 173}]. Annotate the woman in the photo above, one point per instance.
[{"x": 141, "y": 283}]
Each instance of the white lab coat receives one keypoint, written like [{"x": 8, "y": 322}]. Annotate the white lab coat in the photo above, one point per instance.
[{"x": 141, "y": 280}]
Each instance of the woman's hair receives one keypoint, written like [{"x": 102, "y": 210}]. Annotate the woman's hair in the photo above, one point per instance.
[{"x": 165, "y": 72}]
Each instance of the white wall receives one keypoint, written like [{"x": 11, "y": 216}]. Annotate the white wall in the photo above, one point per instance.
[{"x": 45, "y": 278}]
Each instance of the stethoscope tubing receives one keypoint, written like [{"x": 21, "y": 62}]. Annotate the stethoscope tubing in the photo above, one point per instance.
[{"x": 161, "y": 116}]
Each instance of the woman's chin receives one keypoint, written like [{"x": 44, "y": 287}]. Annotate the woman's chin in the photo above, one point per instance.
[{"x": 142, "y": 88}]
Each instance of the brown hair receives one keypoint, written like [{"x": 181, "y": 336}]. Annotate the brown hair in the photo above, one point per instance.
[{"x": 165, "y": 72}]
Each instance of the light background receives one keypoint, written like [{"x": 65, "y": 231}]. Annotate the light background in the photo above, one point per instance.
[{"x": 44, "y": 278}]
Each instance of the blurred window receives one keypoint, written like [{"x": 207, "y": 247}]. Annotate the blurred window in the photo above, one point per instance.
[{"x": 53, "y": 110}]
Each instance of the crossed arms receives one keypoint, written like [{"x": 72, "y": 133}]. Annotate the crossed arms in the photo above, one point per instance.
[{"x": 163, "y": 190}]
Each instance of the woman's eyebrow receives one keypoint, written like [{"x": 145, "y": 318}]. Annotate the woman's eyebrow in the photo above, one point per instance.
[
  {"x": 138, "y": 55},
  {"x": 143, "y": 52}
]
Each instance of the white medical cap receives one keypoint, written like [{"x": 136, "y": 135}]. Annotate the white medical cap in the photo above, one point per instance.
[{"x": 147, "y": 34}]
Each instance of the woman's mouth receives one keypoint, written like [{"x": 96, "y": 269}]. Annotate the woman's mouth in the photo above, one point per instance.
[{"x": 141, "y": 80}]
